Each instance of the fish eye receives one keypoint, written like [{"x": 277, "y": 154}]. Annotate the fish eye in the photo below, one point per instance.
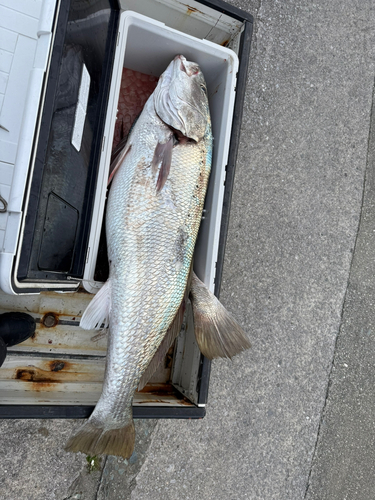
[{"x": 204, "y": 88}]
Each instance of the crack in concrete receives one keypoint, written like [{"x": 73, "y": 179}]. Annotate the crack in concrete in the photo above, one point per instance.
[
  {"x": 101, "y": 477},
  {"x": 119, "y": 476},
  {"x": 371, "y": 131}
]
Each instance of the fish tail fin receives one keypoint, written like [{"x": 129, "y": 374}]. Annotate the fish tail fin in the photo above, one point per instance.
[
  {"x": 217, "y": 333},
  {"x": 95, "y": 440}
]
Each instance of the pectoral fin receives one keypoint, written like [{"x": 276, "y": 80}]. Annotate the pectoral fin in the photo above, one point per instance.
[
  {"x": 117, "y": 150},
  {"x": 163, "y": 155},
  {"x": 117, "y": 162},
  {"x": 217, "y": 333},
  {"x": 97, "y": 312}
]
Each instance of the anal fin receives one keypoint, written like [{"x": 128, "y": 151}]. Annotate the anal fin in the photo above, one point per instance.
[
  {"x": 171, "y": 335},
  {"x": 217, "y": 333},
  {"x": 166, "y": 343}
]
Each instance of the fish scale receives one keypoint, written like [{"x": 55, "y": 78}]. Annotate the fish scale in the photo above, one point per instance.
[{"x": 149, "y": 272}]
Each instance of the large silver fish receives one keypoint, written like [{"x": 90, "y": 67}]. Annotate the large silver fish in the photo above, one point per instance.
[{"x": 153, "y": 215}]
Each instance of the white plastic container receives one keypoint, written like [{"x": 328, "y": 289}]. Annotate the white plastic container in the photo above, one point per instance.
[{"x": 148, "y": 46}]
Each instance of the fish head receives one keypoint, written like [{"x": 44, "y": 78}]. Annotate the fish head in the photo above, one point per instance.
[{"x": 180, "y": 98}]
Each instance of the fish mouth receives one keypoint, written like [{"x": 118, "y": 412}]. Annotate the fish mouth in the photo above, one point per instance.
[
  {"x": 179, "y": 100},
  {"x": 190, "y": 68},
  {"x": 178, "y": 65}
]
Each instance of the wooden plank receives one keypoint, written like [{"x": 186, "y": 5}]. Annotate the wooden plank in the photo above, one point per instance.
[
  {"x": 29, "y": 378},
  {"x": 50, "y": 380},
  {"x": 33, "y": 380},
  {"x": 22, "y": 303},
  {"x": 51, "y": 370},
  {"x": 19, "y": 392},
  {"x": 67, "y": 306},
  {"x": 62, "y": 338},
  {"x": 72, "y": 340},
  {"x": 65, "y": 339},
  {"x": 70, "y": 394}
]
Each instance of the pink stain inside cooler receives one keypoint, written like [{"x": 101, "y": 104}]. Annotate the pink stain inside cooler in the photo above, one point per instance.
[{"x": 135, "y": 89}]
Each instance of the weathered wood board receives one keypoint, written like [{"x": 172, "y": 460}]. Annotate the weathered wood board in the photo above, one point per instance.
[
  {"x": 63, "y": 364},
  {"x": 48, "y": 380}
]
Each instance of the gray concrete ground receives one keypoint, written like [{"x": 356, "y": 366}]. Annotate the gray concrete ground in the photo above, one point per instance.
[
  {"x": 290, "y": 419},
  {"x": 344, "y": 465}
]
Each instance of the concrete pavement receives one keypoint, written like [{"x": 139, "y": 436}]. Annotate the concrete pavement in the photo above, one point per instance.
[{"x": 344, "y": 465}]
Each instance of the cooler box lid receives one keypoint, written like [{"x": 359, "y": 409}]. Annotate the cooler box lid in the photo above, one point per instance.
[{"x": 63, "y": 56}]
